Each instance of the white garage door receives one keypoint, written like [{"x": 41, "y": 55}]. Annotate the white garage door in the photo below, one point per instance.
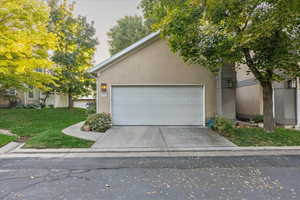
[{"x": 157, "y": 105}]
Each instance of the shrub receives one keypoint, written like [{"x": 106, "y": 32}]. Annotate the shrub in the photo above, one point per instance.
[
  {"x": 43, "y": 105},
  {"x": 91, "y": 108},
  {"x": 100, "y": 122},
  {"x": 223, "y": 126},
  {"x": 30, "y": 106},
  {"x": 258, "y": 119},
  {"x": 13, "y": 101},
  {"x": 19, "y": 106}
]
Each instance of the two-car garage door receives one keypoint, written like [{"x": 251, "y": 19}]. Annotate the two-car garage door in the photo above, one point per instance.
[{"x": 157, "y": 105}]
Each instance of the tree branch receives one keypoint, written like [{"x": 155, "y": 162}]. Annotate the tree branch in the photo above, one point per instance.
[{"x": 251, "y": 64}]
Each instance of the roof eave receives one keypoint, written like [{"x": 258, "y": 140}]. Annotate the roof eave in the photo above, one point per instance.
[{"x": 123, "y": 52}]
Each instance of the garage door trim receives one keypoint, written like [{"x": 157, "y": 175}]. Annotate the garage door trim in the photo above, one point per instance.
[{"x": 146, "y": 85}]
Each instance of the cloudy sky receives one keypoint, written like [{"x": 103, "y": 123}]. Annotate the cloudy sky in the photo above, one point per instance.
[{"x": 105, "y": 13}]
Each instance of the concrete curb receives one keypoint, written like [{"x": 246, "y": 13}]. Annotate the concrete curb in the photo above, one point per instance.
[
  {"x": 158, "y": 150},
  {"x": 7, "y": 132},
  {"x": 75, "y": 131},
  {"x": 10, "y": 147},
  {"x": 145, "y": 155}
]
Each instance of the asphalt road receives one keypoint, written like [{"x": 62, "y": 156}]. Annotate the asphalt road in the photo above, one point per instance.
[{"x": 240, "y": 178}]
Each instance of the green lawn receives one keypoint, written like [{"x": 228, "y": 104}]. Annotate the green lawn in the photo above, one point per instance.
[
  {"x": 43, "y": 128},
  {"x": 258, "y": 137},
  {"x": 4, "y": 139}
]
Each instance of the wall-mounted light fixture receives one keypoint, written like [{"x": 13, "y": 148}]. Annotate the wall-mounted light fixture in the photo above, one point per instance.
[{"x": 103, "y": 87}]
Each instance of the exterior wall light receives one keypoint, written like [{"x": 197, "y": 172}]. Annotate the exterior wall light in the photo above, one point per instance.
[{"x": 103, "y": 87}]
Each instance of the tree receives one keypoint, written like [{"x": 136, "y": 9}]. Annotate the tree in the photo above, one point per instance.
[
  {"x": 128, "y": 30},
  {"x": 24, "y": 44},
  {"x": 155, "y": 10},
  {"x": 261, "y": 34},
  {"x": 75, "y": 50}
]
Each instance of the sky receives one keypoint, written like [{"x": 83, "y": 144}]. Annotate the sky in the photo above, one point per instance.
[{"x": 105, "y": 14}]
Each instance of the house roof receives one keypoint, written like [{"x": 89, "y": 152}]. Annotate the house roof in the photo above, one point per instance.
[{"x": 124, "y": 52}]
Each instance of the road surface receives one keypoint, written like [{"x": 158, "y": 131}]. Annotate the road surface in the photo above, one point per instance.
[{"x": 177, "y": 178}]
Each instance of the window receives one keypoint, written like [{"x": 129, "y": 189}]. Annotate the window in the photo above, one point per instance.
[
  {"x": 228, "y": 83},
  {"x": 292, "y": 84},
  {"x": 30, "y": 93},
  {"x": 11, "y": 92},
  {"x": 39, "y": 70}
]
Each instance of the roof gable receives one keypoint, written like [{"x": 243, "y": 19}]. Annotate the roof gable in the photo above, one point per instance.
[{"x": 124, "y": 52}]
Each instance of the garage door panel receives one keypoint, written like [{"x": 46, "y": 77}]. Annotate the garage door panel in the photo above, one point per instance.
[{"x": 157, "y": 105}]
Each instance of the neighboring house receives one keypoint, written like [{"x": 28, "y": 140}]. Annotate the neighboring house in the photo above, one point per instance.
[
  {"x": 58, "y": 100},
  {"x": 146, "y": 84},
  {"x": 35, "y": 96},
  {"x": 83, "y": 102},
  {"x": 250, "y": 98}
]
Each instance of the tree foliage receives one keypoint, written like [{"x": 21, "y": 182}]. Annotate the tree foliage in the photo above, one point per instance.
[
  {"x": 155, "y": 10},
  {"x": 264, "y": 35},
  {"x": 127, "y": 31},
  {"x": 24, "y": 44},
  {"x": 74, "y": 51}
]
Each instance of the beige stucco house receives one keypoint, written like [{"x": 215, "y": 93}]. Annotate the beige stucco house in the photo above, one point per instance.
[
  {"x": 250, "y": 98},
  {"x": 85, "y": 101},
  {"x": 147, "y": 84},
  {"x": 35, "y": 96}
]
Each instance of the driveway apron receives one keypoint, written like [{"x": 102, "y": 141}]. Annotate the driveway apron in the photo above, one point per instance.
[{"x": 160, "y": 138}]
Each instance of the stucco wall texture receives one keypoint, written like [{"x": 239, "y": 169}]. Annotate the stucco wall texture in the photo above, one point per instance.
[{"x": 249, "y": 101}]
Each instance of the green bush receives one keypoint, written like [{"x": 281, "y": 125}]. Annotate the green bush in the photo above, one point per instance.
[
  {"x": 100, "y": 122},
  {"x": 258, "y": 119},
  {"x": 30, "y": 106},
  {"x": 223, "y": 126}
]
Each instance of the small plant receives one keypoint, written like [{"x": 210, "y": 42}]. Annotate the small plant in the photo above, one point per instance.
[
  {"x": 100, "y": 122},
  {"x": 258, "y": 119},
  {"x": 223, "y": 126}
]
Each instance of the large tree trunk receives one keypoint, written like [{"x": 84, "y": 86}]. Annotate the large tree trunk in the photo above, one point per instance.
[
  {"x": 70, "y": 99},
  {"x": 269, "y": 123}
]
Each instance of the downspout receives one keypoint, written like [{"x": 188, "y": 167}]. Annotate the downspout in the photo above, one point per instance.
[{"x": 298, "y": 103}]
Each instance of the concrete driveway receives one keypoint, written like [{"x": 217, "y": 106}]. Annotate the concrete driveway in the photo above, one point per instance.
[{"x": 160, "y": 138}]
